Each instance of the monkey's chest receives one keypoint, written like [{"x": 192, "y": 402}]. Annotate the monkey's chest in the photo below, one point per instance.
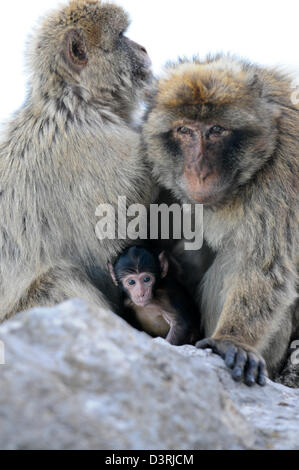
[{"x": 154, "y": 319}]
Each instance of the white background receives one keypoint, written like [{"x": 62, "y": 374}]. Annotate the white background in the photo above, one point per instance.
[{"x": 262, "y": 31}]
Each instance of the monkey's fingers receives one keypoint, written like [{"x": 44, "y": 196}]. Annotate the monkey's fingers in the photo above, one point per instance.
[
  {"x": 230, "y": 356},
  {"x": 246, "y": 366},
  {"x": 252, "y": 368},
  {"x": 262, "y": 374},
  {"x": 238, "y": 370}
]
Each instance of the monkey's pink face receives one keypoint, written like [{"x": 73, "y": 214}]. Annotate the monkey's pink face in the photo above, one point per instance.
[
  {"x": 140, "y": 288},
  {"x": 202, "y": 146}
]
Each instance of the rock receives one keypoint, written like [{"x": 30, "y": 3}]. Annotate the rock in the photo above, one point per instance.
[
  {"x": 79, "y": 378},
  {"x": 290, "y": 374}
]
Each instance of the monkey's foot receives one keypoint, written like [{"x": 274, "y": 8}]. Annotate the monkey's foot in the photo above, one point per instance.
[{"x": 247, "y": 364}]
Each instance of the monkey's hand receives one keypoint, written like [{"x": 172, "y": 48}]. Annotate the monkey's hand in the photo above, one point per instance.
[{"x": 246, "y": 363}]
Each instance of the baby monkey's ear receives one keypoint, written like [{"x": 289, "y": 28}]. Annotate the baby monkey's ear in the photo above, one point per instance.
[
  {"x": 164, "y": 264},
  {"x": 112, "y": 273}
]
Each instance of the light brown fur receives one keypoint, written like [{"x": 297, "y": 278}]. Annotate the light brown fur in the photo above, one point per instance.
[{"x": 72, "y": 146}]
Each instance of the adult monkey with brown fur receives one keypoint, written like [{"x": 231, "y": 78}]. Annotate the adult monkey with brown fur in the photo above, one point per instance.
[
  {"x": 225, "y": 134},
  {"x": 71, "y": 147}
]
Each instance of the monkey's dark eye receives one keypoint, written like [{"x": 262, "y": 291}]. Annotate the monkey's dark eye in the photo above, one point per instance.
[
  {"x": 146, "y": 279},
  {"x": 131, "y": 282},
  {"x": 185, "y": 130},
  {"x": 216, "y": 131}
]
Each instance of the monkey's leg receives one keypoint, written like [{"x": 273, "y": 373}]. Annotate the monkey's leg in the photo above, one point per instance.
[
  {"x": 255, "y": 325},
  {"x": 59, "y": 284}
]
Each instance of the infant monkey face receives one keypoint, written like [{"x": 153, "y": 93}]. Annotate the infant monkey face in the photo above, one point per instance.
[{"x": 139, "y": 287}]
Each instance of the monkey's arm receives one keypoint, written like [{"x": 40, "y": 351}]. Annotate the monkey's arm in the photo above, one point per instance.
[{"x": 256, "y": 308}]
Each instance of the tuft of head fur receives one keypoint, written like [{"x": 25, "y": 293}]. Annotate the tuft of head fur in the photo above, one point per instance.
[
  {"x": 198, "y": 87},
  {"x": 200, "y": 84},
  {"x": 93, "y": 16}
]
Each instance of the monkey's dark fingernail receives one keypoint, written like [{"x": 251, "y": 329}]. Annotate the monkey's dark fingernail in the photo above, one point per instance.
[
  {"x": 249, "y": 380},
  {"x": 237, "y": 374},
  {"x": 230, "y": 357},
  {"x": 261, "y": 380}
]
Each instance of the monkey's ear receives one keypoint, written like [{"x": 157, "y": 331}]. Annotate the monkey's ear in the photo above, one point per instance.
[
  {"x": 164, "y": 264},
  {"x": 112, "y": 274},
  {"x": 75, "y": 50}
]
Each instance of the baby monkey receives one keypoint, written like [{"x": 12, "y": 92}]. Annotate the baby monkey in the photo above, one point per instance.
[{"x": 153, "y": 298}]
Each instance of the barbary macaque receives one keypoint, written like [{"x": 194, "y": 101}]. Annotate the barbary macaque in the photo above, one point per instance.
[
  {"x": 71, "y": 147},
  {"x": 158, "y": 303},
  {"x": 225, "y": 134}
]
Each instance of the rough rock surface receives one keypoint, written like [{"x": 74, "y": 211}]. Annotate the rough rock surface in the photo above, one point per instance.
[{"x": 79, "y": 378}]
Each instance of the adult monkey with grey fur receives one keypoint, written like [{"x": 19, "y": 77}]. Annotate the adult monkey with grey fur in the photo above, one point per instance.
[
  {"x": 225, "y": 134},
  {"x": 71, "y": 147}
]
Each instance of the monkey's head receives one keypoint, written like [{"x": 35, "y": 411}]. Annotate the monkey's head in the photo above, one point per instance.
[
  {"x": 138, "y": 271},
  {"x": 84, "y": 46},
  {"x": 212, "y": 126}
]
